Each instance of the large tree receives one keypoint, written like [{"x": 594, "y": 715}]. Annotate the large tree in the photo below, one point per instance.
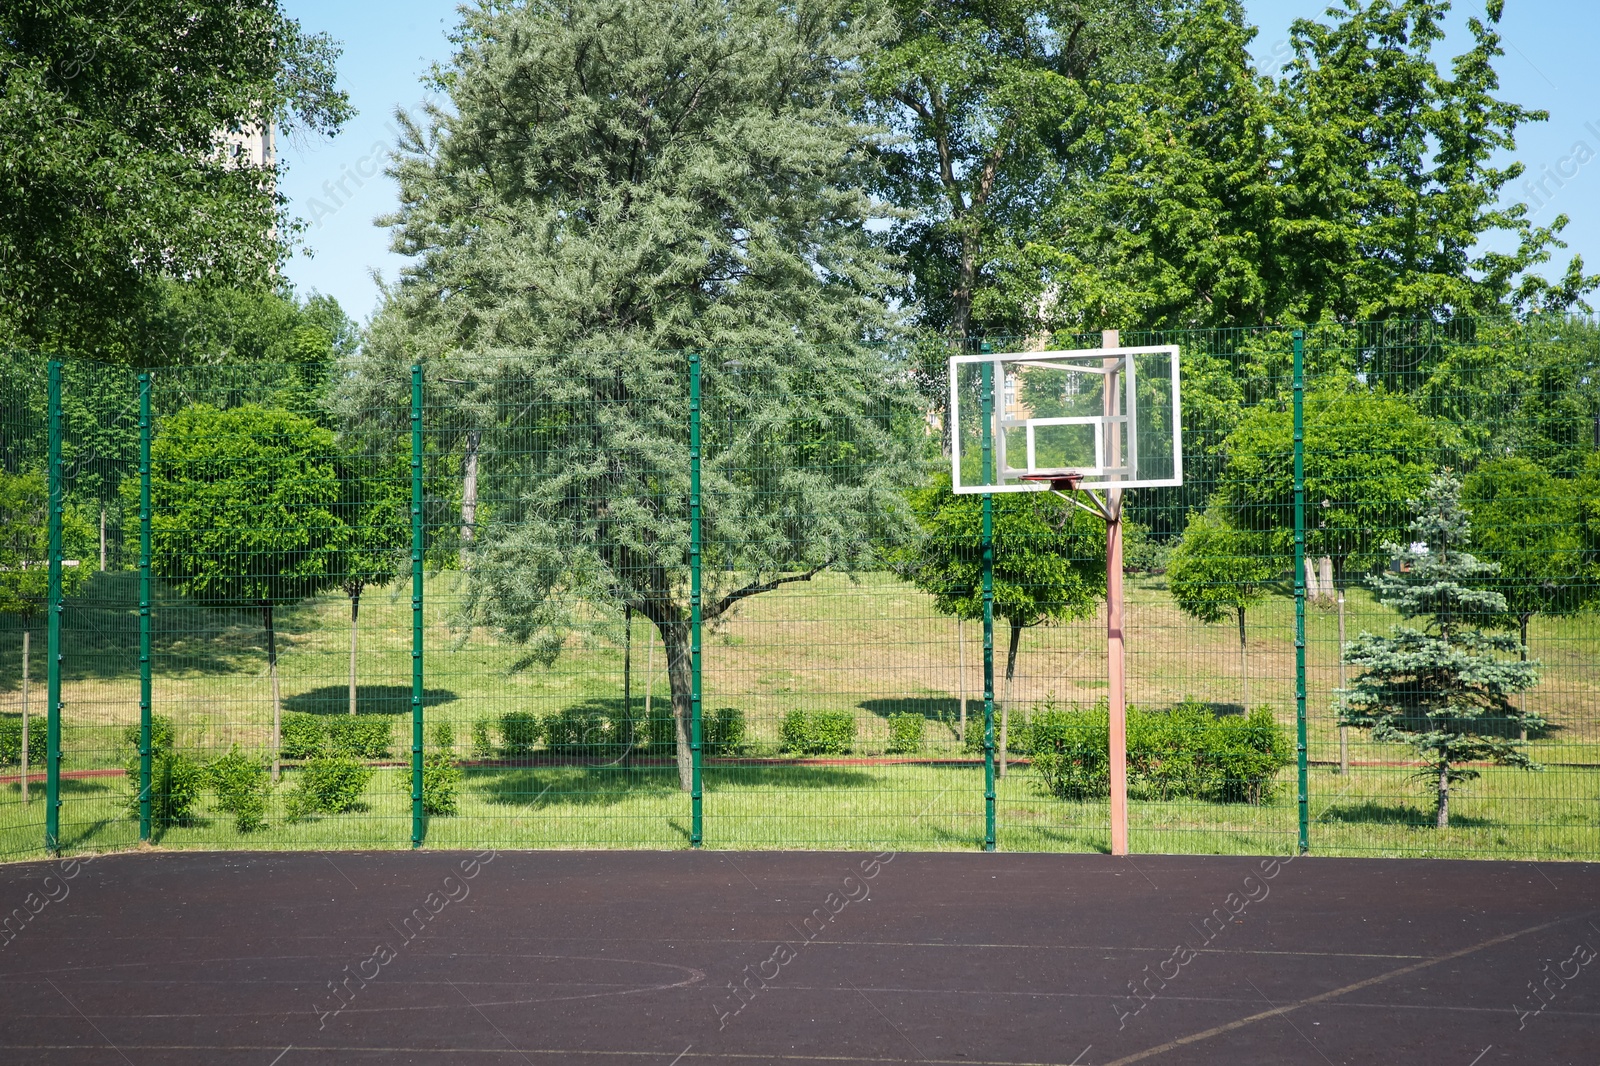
[
  {"x": 988, "y": 100},
  {"x": 1367, "y": 181},
  {"x": 1366, "y": 454},
  {"x": 612, "y": 184},
  {"x": 118, "y": 165},
  {"x": 244, "y": 508},
  {"x": 1444, "y": 688}
]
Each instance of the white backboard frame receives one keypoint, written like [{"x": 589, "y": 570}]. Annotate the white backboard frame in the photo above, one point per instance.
[{"x": 1105, "y": 361}]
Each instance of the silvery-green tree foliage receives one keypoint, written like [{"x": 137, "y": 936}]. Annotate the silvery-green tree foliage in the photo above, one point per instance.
[
  {"x": 612, "y": 185},
  {"x": 1444, "y": 688}
]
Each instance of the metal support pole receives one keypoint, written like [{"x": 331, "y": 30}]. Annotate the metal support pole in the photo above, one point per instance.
[
  {"x": 696, "y": 823},
  {"x": 1116, "y": 647},
  {"x": 144, "y": 606},
  {"x": 417, "y": 820},
  {"x": 1300, "y": 585},
  {"x": 988, "y": 610},
  {"x": 52, "y": 765}
]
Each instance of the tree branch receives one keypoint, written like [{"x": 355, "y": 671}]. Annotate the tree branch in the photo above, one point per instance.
[{"x": 721, "y": 606}]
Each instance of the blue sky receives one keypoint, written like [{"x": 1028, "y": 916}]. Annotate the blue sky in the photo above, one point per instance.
[{"x": 338, "y": 187}]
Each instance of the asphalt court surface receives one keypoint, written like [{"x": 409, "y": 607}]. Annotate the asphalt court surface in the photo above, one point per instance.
[{"x": 677, "y": 958}]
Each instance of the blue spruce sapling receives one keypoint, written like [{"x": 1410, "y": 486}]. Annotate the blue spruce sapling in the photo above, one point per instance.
[{"x": 1444, "y": 689}]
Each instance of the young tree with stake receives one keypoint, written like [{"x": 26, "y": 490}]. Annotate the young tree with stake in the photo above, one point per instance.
[
  {"x": 375, "y": 497},
  {"x": 1444, "y": 688},
  {"x": 244, "y": 506},
  {"x": 1049, "y": 566},
  {"x": 1216, "y": 570}
]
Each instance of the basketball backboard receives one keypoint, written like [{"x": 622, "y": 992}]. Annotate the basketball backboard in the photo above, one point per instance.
[{"x": 1110, "y": 416}]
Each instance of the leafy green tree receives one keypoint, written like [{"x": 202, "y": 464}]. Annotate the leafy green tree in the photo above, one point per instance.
[
  {"x": 1364, "y": 183},
  {"x": 1215, "y": 570},
  {"x": 244, "y": 514},
  {"x": 611, "y": 184},
  {"x": 374, "y": 506},
  {"x": 118, "y": 168},
  {"x": 1525, "y": 521},
  {"x": 1049, "y": 560},
  {"x": 1443, "y": 688},
  {"x": 25, "y": 564},
  {"x": 1366, "y": 454},
  {"x": 988, "y": 100}
]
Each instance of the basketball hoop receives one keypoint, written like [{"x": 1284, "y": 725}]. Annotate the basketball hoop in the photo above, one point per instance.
[{"x": 1056, "y": 482}]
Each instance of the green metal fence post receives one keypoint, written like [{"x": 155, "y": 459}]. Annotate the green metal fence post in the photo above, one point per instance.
[
  {"x": 52, "y": 762},
  {"x": 696, "y": 834},
  {"x": 416, "y": 607},
  {"x": 1300, "y": 585},
  {"x": 144, "y": 606},
  {"x": 988, "y": 611}
]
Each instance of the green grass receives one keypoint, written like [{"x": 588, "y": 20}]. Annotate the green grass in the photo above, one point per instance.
[{"x": 873, "y": 647}]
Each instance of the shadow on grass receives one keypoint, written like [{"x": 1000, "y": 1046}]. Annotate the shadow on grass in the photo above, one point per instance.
[
  {"x": 933, "y": 708},
  {"x": 370, "y": 699},
  {"x": 719, "y": 778},
  {"x": 1371, "y": 813},
  {"x": 554, "y": 786}
]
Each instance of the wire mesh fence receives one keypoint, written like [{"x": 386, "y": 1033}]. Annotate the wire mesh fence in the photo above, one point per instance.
[{"x": 726, "y": 599}]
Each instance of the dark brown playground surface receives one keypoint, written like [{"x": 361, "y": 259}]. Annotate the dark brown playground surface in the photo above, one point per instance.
[{"x": 627, "y": 957}]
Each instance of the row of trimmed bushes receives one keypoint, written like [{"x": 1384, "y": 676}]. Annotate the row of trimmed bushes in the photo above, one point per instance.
[
  {"x": 341, "y": 736},
  {"x": 332, "y": 781},
  {"x": 1186, "y": 753},
  {"x": 594, "y": 730}
]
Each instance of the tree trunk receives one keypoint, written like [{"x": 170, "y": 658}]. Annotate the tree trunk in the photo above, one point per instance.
[
  {"x": 961, "y": 679},
  {"x": 680, "y": 676},
  {"x": 1005, "y": 698},
  {"x": 1522, "y": 697},
  {"x": 102, "y": 540},
  {"x": 25, "y": 643},
  {"x": 1244, "y": 668},
  {"x": 277, "y": 706},
  {"x": 355, "y": 609},
  {"x": 469, "y": 493},
  {"x": 1444, "y": 797}
]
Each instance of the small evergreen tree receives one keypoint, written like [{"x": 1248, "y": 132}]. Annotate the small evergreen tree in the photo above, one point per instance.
[{"x": 1443, "y": 689}]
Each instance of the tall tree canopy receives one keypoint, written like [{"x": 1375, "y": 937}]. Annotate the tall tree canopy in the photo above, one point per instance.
[
  {"x": 990, "y": 102},
  {"x": 1168, "y": 184},
  {"x": 117, "y": 170},
  {"x": 612, "y": 182}
]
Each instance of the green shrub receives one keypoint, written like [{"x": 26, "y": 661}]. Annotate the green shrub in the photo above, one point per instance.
[
  {"x": 11, "y": 741},
  {"x": 175, "y": 783},
  {"x": 583, "y": 730},
  {"x": 360, "y": 736},
  {"x": 1184, "y": 753},
  {"x": 328, "y": 785},
  {"x": 241, "y": 784},
  {"x": 659, "y": 732},
  {"x": 1017, "y": 735},
  {"x": 302, "y": 736},
  {"x": 175, "y": 778},
  {"x": 520, "y": 733},
  {"x": 441, "y": 777},
  {"x": 724, "y": 731},
  {"x": 1071, "y": 751},
  {"x": 1249, "y": 752},
  {"x": 483, "y": 738},
  {"x": 818, "y": 732},
  {"x": 905, "y": 733},
  {"x": 441, "y": 784}
]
